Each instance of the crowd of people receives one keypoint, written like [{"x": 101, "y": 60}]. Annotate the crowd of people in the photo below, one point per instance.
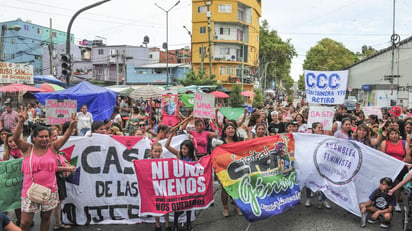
[{"x": 44, "y": 164}]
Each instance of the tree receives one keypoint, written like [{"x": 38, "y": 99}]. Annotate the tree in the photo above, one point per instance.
[
  {"x": 235, "y": 98},
  {"x": 301, "y": 82},
  {"x": 258, "y": 99},
  {"x": 328, "y": 55},
  {"x": 199, "y": 78},
  {"x": 275, "y": 53}
]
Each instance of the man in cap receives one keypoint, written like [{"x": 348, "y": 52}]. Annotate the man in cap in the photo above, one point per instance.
[{"x": 8, "y": 119}]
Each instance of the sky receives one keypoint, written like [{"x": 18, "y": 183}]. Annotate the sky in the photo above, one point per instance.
[{"x": 125, "y": 22}]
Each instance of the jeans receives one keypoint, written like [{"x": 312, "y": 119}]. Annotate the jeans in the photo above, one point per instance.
[{"x": 83, "y": 131}]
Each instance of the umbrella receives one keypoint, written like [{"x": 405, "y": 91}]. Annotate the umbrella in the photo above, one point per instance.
[
  {"x": 247, "y": 93},
  {"x": 126, "y": 92},
  {"x": 147, "y": 92},
  {"x": 219, "y": 94},
  {"x": 269, "y": 91},
  {"x": 16, "y": 87},
  {"x": 49, "y": 87}
]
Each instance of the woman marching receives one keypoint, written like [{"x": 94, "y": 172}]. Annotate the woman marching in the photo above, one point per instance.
[
  {"x": 186, "y": 153},
  {"x": 39, "y": 166}
]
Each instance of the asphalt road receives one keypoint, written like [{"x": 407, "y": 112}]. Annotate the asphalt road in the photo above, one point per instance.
[{"x": 298, "y": 218}]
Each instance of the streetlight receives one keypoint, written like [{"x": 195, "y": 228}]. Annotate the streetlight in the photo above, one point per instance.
[
  {"x": 70, "y": 27},
  {"x": 167, "y": 38},
  {"x": 191, "y": 45}
]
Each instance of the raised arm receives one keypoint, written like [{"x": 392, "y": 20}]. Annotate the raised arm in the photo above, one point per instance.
[
  {"x": 243, "y": 119},
  {"x": 167, "y": 145},
  {"x": 56, "y": 145},
  {"x": 17, "y": 138}
]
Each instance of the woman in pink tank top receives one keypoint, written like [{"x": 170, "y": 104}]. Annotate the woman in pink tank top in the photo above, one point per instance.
[{"x": 43, "y": 155}]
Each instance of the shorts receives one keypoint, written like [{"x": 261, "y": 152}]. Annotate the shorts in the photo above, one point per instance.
[{"x": 29, "y": 206}]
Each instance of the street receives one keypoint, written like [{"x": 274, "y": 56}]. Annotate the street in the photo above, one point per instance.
[{"x": 298, "y": 218}]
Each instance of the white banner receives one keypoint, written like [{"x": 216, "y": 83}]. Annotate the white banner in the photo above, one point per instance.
[
  {"x": 326, "y": 87},
  {"x": 347, "y": 172},
  {"x": 104, "y": 188},
  {"x": 324, "y": 115},
  {"x": 373, "y": 110},
  {"x": 16, "y": 73}
]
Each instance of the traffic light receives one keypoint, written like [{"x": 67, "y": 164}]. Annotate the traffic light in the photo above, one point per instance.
[{"x": 66, "y": 65}]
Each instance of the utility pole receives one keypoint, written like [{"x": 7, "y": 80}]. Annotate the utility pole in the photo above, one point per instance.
[
  {"x": 117, "y": 67},
  {"x": 51, "y": 48},
  {"x": 202, "y": 58},
  {"x": 124, "y": 66},
  {"x": 209, "y": 29},
  {"x": 3, "y": 32}
]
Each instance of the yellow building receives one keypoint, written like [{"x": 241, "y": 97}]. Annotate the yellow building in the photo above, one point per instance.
[{"x": 233, "y": 37}]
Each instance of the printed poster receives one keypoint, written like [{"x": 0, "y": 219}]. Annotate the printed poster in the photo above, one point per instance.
[
  {"x": 326, "y": 87},
  {"x": 259, "y": 175},
  {"x": 169, "y": 185}
]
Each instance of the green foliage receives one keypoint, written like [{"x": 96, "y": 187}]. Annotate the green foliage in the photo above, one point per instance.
[
  {"x": 366, "y": 52},
  {"x": 288, "y": 83},
  {"x": 258, "y": 99},
  {"x": 276, "y": 53},
  {"x": 235, "y": 98},
  {"x": 328, "y": 55},
  {"x": 198, "y": 78},
  {"x": 301, "y": 82},
  {"x": 290, "y": 99}
]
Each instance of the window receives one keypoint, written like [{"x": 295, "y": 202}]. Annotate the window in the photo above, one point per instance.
[
  {"x": 202, "y": 50},
  {"x": 54, "y": 34},
  {"x": 203, "y": 30},
  {"x": 13, "y": 41},
  {"x": 224, "y": 31},
  {"x": 225, "y": 8},
  {"x": 39, "y": 31},
  {"x": 150, "y": 56},
  {"x": 225, "y": 51},
  {"x": 226, "y": 70},
  {"x": 100, "y": 51},
  {"x": 26, "y": 27},
  {"x": 201, "y": 9}
]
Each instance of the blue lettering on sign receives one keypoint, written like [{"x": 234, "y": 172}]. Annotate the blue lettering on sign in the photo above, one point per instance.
[{"x": 322, "y": 81}]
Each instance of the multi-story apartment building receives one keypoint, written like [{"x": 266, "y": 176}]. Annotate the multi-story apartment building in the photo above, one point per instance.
[
  {"x": 23, "y": 42},
  {"x": 233, "y": 37}
]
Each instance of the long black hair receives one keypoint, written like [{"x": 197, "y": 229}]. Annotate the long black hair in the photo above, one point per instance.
[
  {"x": 235, "y": 136},
  {"x": 189, "y": 144},
  {"x": 37, "y": 130}
]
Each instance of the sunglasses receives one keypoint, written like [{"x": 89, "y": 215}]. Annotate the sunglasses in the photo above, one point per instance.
[{"x": 142, "y": 125}]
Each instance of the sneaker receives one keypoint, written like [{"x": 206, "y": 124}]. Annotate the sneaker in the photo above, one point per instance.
[
  {"x": 371, "y": 221},
  {"x": 398, "y": 208},
  {"x": 385, "y": 224},
  {"x": 307, "y": 202},
  {"x": 326, "y": 204},
  {"x": 363, "y": 220}
]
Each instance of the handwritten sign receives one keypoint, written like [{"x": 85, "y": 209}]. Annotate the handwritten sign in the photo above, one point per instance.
[
  {"x": 326, "y": 87},
  {"x": 11, "y": 183},
  {"x": 373, "y": 110},
  {"x": 16, "y": 73},
  {"x": 324, "y": 115},
  {"x": 59, "y": 111},
  {"x": 204, "y": 105}
]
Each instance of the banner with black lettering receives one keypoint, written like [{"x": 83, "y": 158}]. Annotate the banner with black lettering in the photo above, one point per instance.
[
  {"x": 169, "y": 185},
  {"x": 104, "y": 189}
]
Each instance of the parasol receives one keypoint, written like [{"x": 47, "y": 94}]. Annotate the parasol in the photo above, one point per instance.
[
  {"x": 49, "y": 87},
  {"x": 18, "y": 87},
  {"x": 247, "y": 93},
  {"x": 219, "y": 94},
  {"x": 147, "y": 92}
]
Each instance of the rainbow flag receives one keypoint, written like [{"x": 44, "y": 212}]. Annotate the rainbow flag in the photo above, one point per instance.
[{"x": 259, "y": 175}]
